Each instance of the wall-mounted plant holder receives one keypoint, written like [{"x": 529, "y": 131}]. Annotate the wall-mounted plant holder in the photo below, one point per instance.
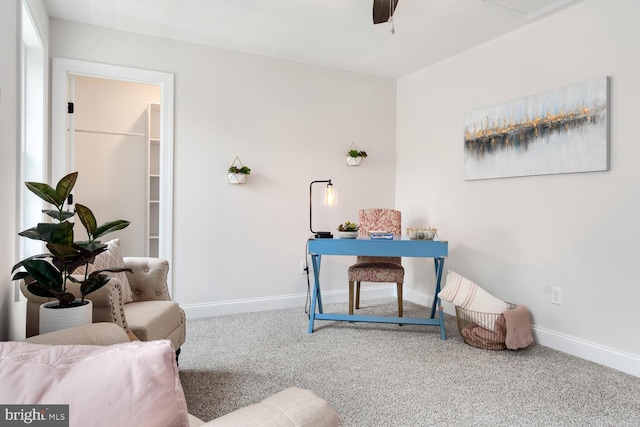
[
  {"x": 355, "y": 156},
  {"x": 237, "y": 173}
]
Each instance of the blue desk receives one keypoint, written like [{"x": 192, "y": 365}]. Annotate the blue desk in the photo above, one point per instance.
[{"x": 435, "y": 249}]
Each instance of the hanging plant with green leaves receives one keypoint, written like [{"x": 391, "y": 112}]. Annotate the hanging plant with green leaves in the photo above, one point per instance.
[
  {"x": 356, "y": 153},
  {"x": 243, "y": 170}
]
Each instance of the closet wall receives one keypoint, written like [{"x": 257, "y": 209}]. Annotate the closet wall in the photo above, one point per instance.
[{"x": 111, "y": 154}]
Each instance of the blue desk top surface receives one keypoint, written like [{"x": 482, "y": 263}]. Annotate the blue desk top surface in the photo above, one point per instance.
[{"x": 367, "y": 247}]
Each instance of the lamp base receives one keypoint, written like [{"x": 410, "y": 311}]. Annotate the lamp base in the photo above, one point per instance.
[{"x": 323, "y": 235}]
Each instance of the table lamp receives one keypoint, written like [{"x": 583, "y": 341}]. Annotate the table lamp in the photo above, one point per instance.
[{"x": 329, "y": 199}]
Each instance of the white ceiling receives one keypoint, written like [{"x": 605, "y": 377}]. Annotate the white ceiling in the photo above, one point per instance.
[{"x": 333, "y": 33}]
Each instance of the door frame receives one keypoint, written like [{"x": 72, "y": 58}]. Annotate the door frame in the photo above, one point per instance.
[{"x": 62, "y": 147}]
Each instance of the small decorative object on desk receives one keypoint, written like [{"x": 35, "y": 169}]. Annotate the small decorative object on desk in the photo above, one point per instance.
[
  {"x": 421, "y": 233},
  {"x": 381, "y": 235},
  {"x": 348, "y": 230}
]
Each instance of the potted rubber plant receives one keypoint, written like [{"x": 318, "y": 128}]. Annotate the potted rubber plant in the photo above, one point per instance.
[{"x": 47, "y": 275}]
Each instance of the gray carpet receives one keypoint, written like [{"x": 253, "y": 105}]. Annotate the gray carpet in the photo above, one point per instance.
[{"x": 391, "y": 375}]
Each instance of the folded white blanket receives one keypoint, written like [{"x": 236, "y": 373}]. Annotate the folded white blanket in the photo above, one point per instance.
[{"x": 464, "y": 293}]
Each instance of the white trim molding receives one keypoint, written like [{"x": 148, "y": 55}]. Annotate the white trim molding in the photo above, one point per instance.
[
  {"x": 606, "y": 356},
  {"x": 249, "y": 305},
  {"x": 61, "y": 147}
]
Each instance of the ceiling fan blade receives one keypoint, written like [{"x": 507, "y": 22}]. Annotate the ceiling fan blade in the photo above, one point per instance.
[{"x": 383, "y": 9}]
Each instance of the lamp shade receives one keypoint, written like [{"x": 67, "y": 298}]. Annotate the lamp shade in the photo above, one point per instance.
[
  {"x": 329, "y": 199},
  {"x": 329, "y": 195}
]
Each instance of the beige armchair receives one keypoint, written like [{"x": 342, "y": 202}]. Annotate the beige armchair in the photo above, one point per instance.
[{"x": 151, "y": 316}]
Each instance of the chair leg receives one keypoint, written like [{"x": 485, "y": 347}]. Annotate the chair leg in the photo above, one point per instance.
[
  {"x": 399, "y": 289},
  {"x": 357, "y": 295},
  {"x": 350, "y": 296}
]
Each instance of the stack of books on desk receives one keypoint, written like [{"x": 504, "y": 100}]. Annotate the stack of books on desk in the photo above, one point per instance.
[{"x": 381, "y": 236}]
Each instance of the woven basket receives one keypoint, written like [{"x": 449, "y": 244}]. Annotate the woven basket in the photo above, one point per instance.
[{"x": 482, "y": 330}]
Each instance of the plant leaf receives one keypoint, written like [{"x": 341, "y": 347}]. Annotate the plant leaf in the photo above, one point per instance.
[
  {"x": 65, "y": 298},
  {"x": 109, "y": 227},
  {"x": 69, "y": 258},
  {"x": 95, "y": 247},
  {"x": 20, "y": 275},
  {"x": 87, "y": 219},
  {"x": 64, "y": 252},
  {"x": 44, "y": 191},
  {"x": 61, "y": 233},
  {"x": 59, "y": 215},
  {"x": 31, "y": 233},
  {"x": 40, "y": 256},
  {"x": 44, "y": 273},
  {"x": 64, "y": 187},
  {"x": 94, "y": 282},
  {"x": 42, "y": 291}
]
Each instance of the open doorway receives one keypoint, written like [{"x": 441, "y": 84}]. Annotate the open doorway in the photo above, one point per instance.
[
  {"x": 117, "y": 151},
  {"x": 115, "y": 135}
]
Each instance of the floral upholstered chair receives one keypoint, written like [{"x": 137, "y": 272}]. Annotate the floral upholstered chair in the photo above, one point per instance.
[{"x": 373, "y": 268}]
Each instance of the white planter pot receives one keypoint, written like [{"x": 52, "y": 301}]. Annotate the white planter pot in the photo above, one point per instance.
[
  {"x": 237, "y": 178},
  {"x": 354, "y": 161},
  {"x": 55, "y": 319}
]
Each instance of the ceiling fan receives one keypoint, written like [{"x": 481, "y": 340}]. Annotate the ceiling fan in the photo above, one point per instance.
[{"x": 383, "y": 10}]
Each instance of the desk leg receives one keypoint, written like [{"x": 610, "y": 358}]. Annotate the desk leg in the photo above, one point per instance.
[
  {"x": 439, "y": 266},
  {"x": 315, "y": 297}
]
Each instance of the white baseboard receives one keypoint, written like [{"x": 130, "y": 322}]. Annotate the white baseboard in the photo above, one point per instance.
[
  {"x": 194, "y": 311},
  {"x": 606, "y": 356}
]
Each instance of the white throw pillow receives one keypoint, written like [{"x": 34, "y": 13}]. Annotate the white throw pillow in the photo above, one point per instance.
[
  {"x": 129, "y": 384},
  {"x": 111, "y": 258},
  {"x": 463, "y": 293}
]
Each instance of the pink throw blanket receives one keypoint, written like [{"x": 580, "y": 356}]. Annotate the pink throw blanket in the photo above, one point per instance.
[
  {"x": 518, "y": 326},
  {"x": 479, "y": 337}
]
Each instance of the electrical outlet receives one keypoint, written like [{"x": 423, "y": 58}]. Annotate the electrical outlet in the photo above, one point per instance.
[
  {"x": 303, "y": 267},
  {"x": 556, "y": 295}
]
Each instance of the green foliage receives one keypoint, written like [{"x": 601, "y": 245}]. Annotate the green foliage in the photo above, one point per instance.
[
  {"x": 356, "y": 153},
  {"x": 243, "y": 170},
  {"x": 348, "y": 226},
  {"x": 46, "y": 275}
]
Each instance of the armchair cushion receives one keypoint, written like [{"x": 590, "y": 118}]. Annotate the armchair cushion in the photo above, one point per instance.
[
  {"x": 291, "y": 407},
  {"x": 148, "y": 279},
  {"x": 102, "y": 333},
  {"x": 154, "y": 320},
  {"x": 138, "y": 381},
  {"x": 111, "y": 258}
]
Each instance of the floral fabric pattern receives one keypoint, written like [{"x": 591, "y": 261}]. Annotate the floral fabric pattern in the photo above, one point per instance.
[{"x": 378, "y": 269}]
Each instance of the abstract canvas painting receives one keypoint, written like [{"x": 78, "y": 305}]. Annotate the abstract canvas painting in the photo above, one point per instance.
[{"x": 561, "y": 131}]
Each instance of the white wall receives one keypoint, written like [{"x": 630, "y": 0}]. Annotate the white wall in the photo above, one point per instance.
[
  {"x": 110, "y": 149},
  {"x": 10, "y": 13},
  {"x": 239, "y": 247},
  {"x": 518, "y": 237}
]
